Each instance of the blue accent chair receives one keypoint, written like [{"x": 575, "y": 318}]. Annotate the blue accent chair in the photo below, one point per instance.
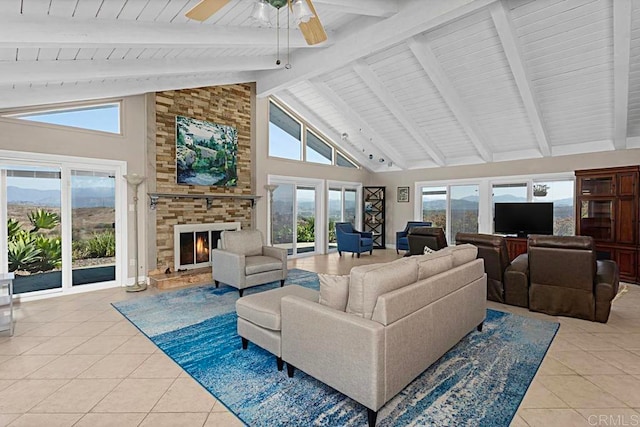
[
  {"x": 351, "y": 240},
  {"x": 402, "y": 241}
]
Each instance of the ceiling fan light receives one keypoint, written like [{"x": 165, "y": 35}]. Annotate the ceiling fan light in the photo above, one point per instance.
[
  {"x": 260, "y": 13},
  {"x": 301, "y": 11}
]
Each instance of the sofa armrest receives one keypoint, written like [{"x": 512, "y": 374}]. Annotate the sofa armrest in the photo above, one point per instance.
[
  {"x": 607, "y": 280},
  {"x": 516, "y": 282},
  {"x": 368, "y": 234},
  {"x": 228, "y": 267},
  {"x": 344, "y": 351},
  {"x": 278, "y": 253},
  {"x": 352, "y": 240},
  {"x": 400, "y": 234}
]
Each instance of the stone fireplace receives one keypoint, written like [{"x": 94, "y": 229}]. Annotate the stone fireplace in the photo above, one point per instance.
[
  {"x": 193, "y": 243},
  {"x": 196, "y": 207}
]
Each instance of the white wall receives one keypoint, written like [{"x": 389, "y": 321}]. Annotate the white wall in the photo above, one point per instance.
[
  {"x": 30, "y": 137},
  {"x": 399, "y": 213}
]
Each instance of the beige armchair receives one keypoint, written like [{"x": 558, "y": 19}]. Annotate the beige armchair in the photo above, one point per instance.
[{"x": 242, "y": 261}]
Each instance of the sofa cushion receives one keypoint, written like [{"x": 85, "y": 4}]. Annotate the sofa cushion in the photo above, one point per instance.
[
  {"x": 434, "y": 263},
  {"x": 334, "y": 291},
  {"x": 263, "y": 309},
  {"x": 260, "y": 264},
  {"x": 244, "y": 242},
  {"x": 367, "y": 282},
  {"x": 463, "y": 254}
]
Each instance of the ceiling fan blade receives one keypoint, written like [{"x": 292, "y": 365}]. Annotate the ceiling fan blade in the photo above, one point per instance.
[
  {"x": 203, "y": 10},
  {"x": 313, "y": 31}
]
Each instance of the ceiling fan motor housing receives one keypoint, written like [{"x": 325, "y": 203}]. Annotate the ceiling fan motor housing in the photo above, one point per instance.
[{"x": 277, "y": 3}]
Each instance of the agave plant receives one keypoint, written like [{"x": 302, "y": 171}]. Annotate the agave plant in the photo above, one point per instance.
[
  {"x": 50, "y": 253},
  {"x": 22, "y": 253},
  {"x": 42, "y": 219},
  {"x": 13, "y": 228}
]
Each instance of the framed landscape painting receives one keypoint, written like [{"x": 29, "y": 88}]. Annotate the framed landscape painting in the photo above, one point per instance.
[{"x": 206, "y": 153}]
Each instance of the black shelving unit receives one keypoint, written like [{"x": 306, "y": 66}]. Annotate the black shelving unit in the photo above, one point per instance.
[{"x": 373, "y": 214}]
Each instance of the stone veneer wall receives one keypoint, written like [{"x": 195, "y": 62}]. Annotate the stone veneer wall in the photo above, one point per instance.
[{"x": 227, "y": 105}]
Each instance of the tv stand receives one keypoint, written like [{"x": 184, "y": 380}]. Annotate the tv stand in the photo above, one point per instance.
[{"x": 516, "y": 246}]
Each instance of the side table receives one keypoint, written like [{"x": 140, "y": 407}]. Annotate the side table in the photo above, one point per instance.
[{"x": 6, "y": 302}]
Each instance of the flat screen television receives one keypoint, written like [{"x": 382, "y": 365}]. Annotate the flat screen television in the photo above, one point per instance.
[{"x": 523, "y": 219}]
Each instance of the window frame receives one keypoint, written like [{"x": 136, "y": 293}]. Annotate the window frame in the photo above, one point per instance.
[
  {"x": 306, "y": 127},
  {"x": 485, "y": 208},
  {"x": 18, "y": 114}
]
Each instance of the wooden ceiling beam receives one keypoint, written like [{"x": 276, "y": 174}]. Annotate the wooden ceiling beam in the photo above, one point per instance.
[
  {"x": 84, "y": 91},
  {"x": 430, "y": 64},
  {"x": 414, "y": 17},
  {"x": 24, "y": 31},
  {"x": 513, "y": 52},
  {"x": 621, "y": 65},
  {"x": 398, "y": 111},
  {"x": 37, "y": 72},
  {"x": 376, "y": 141},
  {"x": 378, "y": 8}
]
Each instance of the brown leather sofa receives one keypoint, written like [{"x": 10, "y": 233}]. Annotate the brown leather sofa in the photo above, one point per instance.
[
  {"x": 419, "y": 237},
  {"x": 565, "y": 278},
  {"x": 506, "y": 282}
]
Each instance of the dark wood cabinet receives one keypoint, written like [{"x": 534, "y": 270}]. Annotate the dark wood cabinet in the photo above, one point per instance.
[
  {"x": 607, "y": 210},
  {"x": 373, "y": 214}
]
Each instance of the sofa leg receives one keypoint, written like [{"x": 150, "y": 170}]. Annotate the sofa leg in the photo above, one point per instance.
[
  {"x": 479, "y": 327},
  {"x": 245, "y": 343},
  {"x": 290, "y": 370},
  {"x": 339, "y": 253},
  {"x": 240, "y": 291},
  {"x": 371, "y": 252},
  {"x": 282, "y": 283},
  {"x": 397, "y": 251},
  {"x": 216, "y": 282},
  {"x": 358, "y": 254},
  {"x": 280, "y": 363},
  {"x": 371, "y": 417}
]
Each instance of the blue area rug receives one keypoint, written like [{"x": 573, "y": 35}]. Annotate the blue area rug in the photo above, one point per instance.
[{"x": 480, "y": 382}]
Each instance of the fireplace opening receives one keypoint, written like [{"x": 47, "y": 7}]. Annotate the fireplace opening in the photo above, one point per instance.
[
  {"x": 194, "y": 242},
  {"x": 202, "y": 247}
]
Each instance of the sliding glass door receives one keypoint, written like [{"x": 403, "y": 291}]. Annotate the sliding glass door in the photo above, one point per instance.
[
  {"x": 34, "y": 232},
  {"x": 306, "y": 219},
  {"x": 342, "y": 207},
  {"x": 454, "y": 208},
  {"x": 60, "y": 225},
  {"x": 93, "y": 221},
  {"x": 293, "y": 216}
]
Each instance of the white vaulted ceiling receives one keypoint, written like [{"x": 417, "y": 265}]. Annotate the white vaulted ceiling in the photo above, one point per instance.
[{"x": 419, "y": 83}]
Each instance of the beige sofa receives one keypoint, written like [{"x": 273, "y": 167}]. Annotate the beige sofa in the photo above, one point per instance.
[{"x": 400, "y": 318}]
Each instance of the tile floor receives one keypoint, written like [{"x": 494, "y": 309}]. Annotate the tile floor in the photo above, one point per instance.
[{"x": 75, "y": 361}]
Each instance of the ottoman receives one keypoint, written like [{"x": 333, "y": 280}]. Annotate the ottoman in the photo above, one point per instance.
[{"x": 259, "y": 317}]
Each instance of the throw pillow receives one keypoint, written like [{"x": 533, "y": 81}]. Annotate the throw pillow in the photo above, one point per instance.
[
  {"x": 334, "y": 291},
  {"x": 427, "y": 250}
]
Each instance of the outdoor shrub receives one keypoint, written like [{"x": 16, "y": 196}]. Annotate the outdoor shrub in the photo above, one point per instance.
[{"x": 102, "y": 245}]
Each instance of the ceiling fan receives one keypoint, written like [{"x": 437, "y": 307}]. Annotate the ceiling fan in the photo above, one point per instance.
[{"x": 303, "y": 11}]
